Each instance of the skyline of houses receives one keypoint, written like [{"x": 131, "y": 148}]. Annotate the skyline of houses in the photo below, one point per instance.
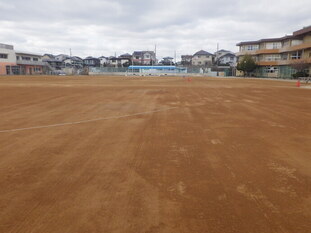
[
  {"x": 274, "y": 58},
  {"x": 17, "y": 62}
]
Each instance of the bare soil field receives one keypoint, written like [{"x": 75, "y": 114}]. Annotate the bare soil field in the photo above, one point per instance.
[{"x": 154, "y": 154}]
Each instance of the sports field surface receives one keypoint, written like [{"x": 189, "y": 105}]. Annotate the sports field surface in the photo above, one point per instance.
[{"x": 154, "y": 154}]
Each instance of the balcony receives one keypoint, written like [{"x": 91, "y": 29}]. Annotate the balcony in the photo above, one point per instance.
[
  {"x": 259, "y": 51},
  {"x": 283, "y": 62},
  {"x": 306, "y": 45},
  {"x": 30, "y": 63}
]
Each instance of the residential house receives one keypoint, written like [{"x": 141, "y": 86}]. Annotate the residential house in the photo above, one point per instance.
[
  {"x": 52, "y": 63},
  {"x": 91, "y": 62},
  {"x": 202, "y": 59},
  {"x": 167, "y": 61},
  {"x": 227, "y": 59},
  {"x": 61, "y": 57},
  {"x": 8, "y": 60},
  {"x": 186, "y": 60},
  {"x": 119, "y": 61},
  {"x": 220, "y": 53},
  {"x": 275, "y": 57},
  {"x": 29, "y": 63},
  {"x": 103, "y": 61},
  {"x": 144, "y": 58},
  {"x": 74, "y": 62}
]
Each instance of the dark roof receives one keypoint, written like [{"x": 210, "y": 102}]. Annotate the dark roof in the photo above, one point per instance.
[
  {"x": 302, "y": 31},
  {"x": 167, "y": 58},
  {"x": 295, "y": 34},
  {"x": 140, "y": 53},
  {"x": 264, "y": 40},
  {"x": 228, "y": 55},
  {"x": 91, "y": 58},
  {"x": 126, "y": 55},
  {"x": 49, "y": 55},
  {"x": 202, "y": 52},
  {"x": 222, "y": 50}
]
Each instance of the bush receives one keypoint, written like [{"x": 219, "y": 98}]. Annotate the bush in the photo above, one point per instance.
[{"x": 300, "y": 74}]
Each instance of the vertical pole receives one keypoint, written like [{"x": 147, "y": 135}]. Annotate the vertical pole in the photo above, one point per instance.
[{"x": 155, "y": 53}]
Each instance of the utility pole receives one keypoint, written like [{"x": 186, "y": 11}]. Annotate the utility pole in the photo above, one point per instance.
[
  {"x": 175, "y": 57},
  {"x": 155, "y": 54},
  {"x": 70, "y": 52}
]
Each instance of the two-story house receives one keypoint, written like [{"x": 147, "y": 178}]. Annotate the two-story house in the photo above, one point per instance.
[
  {"x": 29, "y": 63},
  {"x": 52, "y": 63},
  {"x": 275, "y": 56},
  {"x": 74, "y": 62},
  {"x": 226, "y": 59},
  {"x": 91, "y": 62},
  {"x": 144, "y": 58},
  {"x": 202, "y": 59},
  {"x": 186, "y": 60}
]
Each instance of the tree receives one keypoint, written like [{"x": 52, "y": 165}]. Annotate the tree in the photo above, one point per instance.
[
  {"x": 300, "y": 66},
  {"x": 247, "y": 65}
]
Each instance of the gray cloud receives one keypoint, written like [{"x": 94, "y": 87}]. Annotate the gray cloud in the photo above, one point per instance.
[{"x": 101, "y": 27}]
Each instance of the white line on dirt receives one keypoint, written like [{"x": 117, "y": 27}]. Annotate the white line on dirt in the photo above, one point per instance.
[{"x": 85, "y": 121}]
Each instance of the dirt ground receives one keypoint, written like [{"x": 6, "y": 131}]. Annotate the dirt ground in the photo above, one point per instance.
[{"x": 154, "y": 154}]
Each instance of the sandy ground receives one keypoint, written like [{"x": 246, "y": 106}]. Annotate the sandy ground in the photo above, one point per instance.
[{"x": 216, "y": 156}]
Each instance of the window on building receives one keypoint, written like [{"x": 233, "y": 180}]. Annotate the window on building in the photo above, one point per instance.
[
  {"x": 35, "y": 59},
  {"x": 252, "y": 47},
  {"x": 136, "y": 57},
  {"x": 3, "y": 56},
  {"x": 277, "y": 45},
  {"x": 26, "y": 58},
  {"x": 296, "y": 55},
  {"x": 273, "y": 57},
  {"x": 271, "y": 69},
  {"x": 284, "y": 56},
  {"x": 199, "y": 63}
]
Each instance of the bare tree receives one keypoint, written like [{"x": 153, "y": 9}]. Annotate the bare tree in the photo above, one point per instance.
[{"x": 300, "y": 66}]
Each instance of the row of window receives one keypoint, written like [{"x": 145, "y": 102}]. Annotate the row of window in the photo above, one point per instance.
[
  {"x": 24, "y": 58},
  {"x": 3, "y": 56},
  {"x": 272, "y": 45},
  {"x": 276, "y": 57}
]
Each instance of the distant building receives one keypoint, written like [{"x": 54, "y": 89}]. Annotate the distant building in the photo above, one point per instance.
[
  {"x": 29, "y": 63},
  {"x": 275, "y": 56},
  {"x": 228, "y": 59},
  {"x": 220, "y": 53},
  {"x": 144, "y": 58},
  {"x": 167, "y": 61},
  {"x": 52, "y": 64},
  {"x": 74, "y": 62},
  {"x": 203, "y": 59},
  {"x": 61, "y": 57},
  {"x": 8, "y": 60},
  {"x": 91, "y": 62},
  {"x": 186, "y": 60},
  {"x": 119, "y": 61},
  {"x": 103, "y": 61}
]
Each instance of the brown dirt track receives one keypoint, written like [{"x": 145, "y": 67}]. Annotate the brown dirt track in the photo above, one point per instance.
[{"x": 233, "y": 156}]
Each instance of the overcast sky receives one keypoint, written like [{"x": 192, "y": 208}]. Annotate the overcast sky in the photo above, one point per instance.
[{"x": 102, "y": 27}]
